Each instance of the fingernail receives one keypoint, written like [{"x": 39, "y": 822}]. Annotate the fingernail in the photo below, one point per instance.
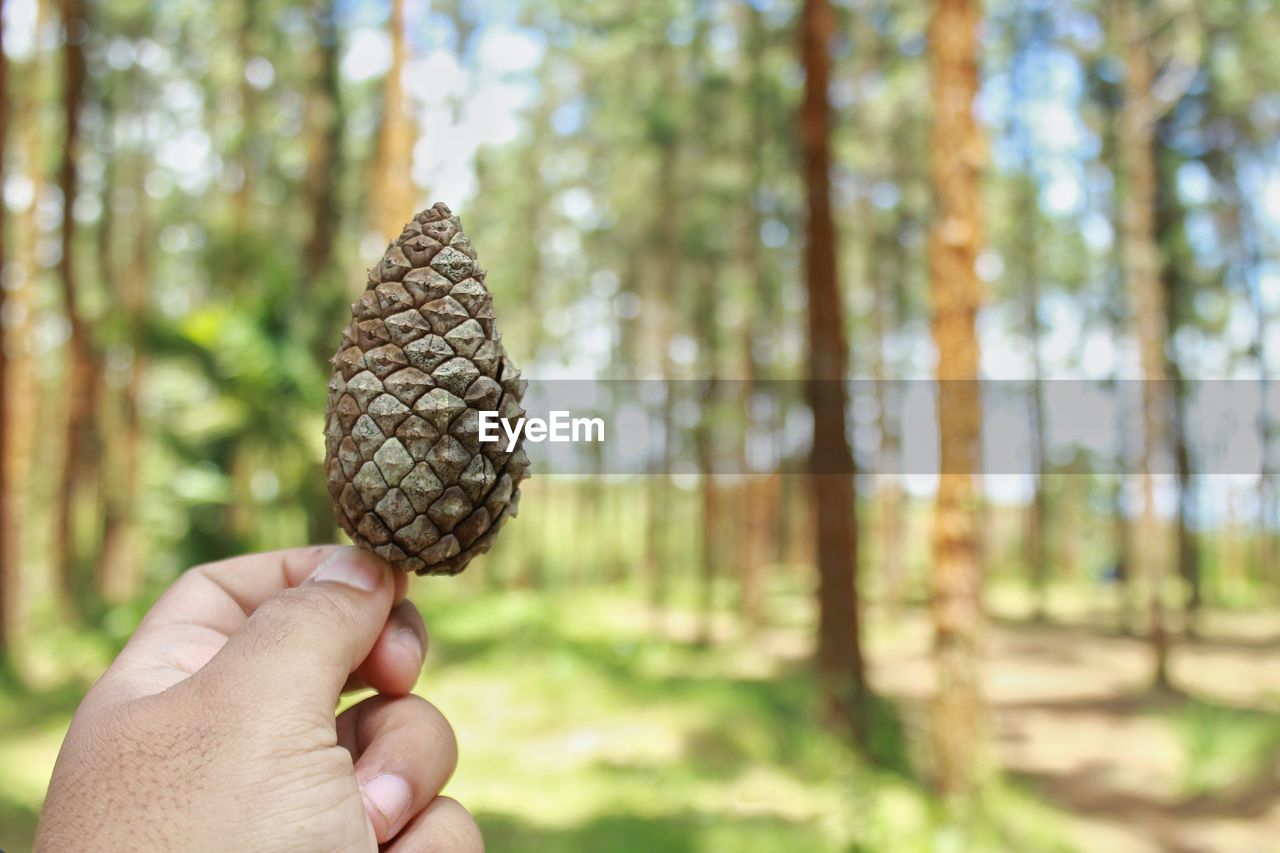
[
  {"x": 350, "y": 567},
  {"x": 389, "y": 795},
  {"x": 409, "y": 638}
]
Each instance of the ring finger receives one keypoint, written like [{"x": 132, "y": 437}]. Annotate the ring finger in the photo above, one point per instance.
[{"x": 404, "y": 751}]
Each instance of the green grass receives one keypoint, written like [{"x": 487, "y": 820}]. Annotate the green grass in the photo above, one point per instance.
[
  {"x": 582, "y": 728},
  {"x": 31, "y": 729},
  {"x": 1224, "y": 747},
  {"x": 610, "y": 740}
]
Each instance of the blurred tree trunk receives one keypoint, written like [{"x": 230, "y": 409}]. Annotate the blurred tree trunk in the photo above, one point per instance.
[
  {"x": 1121, "y": 540},
  {"x": 831, "y": 473},
  {"x": 325, "y": 118},
  {"x": 707, "y": 320},
  {"x": 240, "y": 514},
  {"x": 885, "y": 269},
  {"x": 890, "y": 495},
  {"x": 1188, "y": 546},
  {"x": 119, "y": 574},
  {"x": 394, "y": 197},
  {"x": 958, "y": 156},
  {"x": 107, "y": 421},
  {"x": 8, "y": 556},
  {"x": 321, "y": 265},
  {"x": 1240, "y": 229},
  {"x": 1268, "y": 489},
  {"x": 664, "y": 275},
  {"x": 242, "y": 200},
  {"x": 1142, "y": 269},
  {"x": 1037, "y": 513},
  {"x": 1070, "y": 518},
  {"x": 1031, "y": 33},
  {"x": 1119, "y": 573},
  {"x": 756, "y": 513},
  {"x": 81, "y": 377},
  {"x": 533, "y": 215},
  {"x": 1170, "y": 224},
  {"x": 1232, "y": 553},
  {"x": 465, "y": 17},
  {"x": 19, "y": 398}
]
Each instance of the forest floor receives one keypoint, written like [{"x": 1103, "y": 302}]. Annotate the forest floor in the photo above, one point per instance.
[
  {"x": 586, "y": 725},
  {"x": 1128, "y": 769}
]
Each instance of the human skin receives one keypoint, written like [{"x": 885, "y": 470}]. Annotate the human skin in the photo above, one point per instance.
[{"x": 215, "y": 729}]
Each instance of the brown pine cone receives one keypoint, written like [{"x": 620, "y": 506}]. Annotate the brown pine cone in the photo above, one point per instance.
[{"x": 409, "y": 477}]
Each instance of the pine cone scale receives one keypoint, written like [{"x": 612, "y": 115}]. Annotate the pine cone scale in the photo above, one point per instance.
[{"x": 420, "y": 360}]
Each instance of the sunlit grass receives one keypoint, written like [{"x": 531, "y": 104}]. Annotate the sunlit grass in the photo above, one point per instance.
[
  {"x": 582, "y": 731},
  {"x": 587, "y": 725}
]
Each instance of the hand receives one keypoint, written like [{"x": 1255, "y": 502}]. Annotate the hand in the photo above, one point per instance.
[{"x": 215, "y": 730}]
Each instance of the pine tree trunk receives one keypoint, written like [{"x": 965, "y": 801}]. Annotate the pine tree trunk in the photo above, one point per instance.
[
  {"x": 1170, "y": 226},
  {"x": 1268, "y": 489},
  {"x": 19, "y": 411},
  {"x": 1121, "y": 532},
  {"x": 120, "y": 575},
  {"x": 958, "y": 155},
  {"x": 533, "y": 217},
  {"x": 706, "y": 319},
  {"x": 325, "y": 143},
  {"x": 755, "y": 517},
  {"x": 885, "y": 269},
  {"x": 1036, "y": 552},
  {"x": 1073, "y": 503},
  {"x": 889, "y": 489},
  {"x": 1141, "y": 263},
  {"x": 81, "y": 369},
  {"x": 1187, "y": 544},
  {"x": 663, "y": 277},
  {"x": 8, "y": 557},
  {"x": 319, "y": 263},
  {"x": 242, "y": 200},
  {"x": 831, "y": 477},
  {"x": 1241, "y": 232},
  {"x": 710, "y": 557},
  {"x": 394, "y": 199},
  {"x": 705, "y": 439},
  {"x": 1119, "y": 573},
  {"x": 885, "y": 272}
]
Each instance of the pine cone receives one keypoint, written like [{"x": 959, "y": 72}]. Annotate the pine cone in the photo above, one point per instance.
[{"x": 409, "y": 477}]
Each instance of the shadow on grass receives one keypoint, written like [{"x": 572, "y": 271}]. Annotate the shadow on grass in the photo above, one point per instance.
[
  {"x": 17, "y": 826},
  {"x": 887, "y": 747},
  {"x": 657, "y": 670},
  {"x": 1230, "y": 757},
  {"x": 1069, "y": 632},
  {"x": 681, "y": 832}
]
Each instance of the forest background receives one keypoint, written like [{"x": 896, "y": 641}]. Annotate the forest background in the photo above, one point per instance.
[{"x": 787, "y": 211}]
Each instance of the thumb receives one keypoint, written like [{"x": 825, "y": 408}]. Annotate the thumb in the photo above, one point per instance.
[{"x": 300, "y": 645}]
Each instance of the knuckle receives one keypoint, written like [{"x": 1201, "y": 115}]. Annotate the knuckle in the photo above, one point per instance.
[
  {"x": 308, "y": 605},
  {"x": 274, "y": 621},
  {"x": 439, "y": 735},
  {"x": 463, "y": 832},
  {"x": 418, "y": 723}
]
